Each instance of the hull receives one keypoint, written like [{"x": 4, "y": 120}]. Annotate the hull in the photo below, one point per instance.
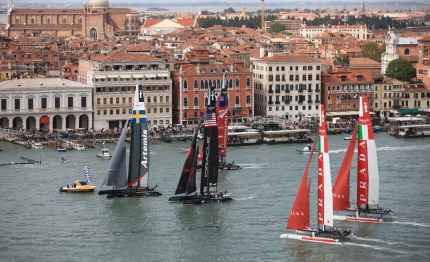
[
  {"x": 78, "y": 189},
  {"x": 129, "y": 192},
  {"x": 228, "y": 166},
  {"x": 358, "y": 219},
  {"x": 201, "y": 199},
  {"x": 312, "y": 239}
]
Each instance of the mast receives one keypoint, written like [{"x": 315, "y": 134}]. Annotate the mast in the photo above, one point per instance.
[
  {"x": 341, "y": 188},
  {"x": 209, "y": 174},
  {"x": 367, "y": 167},
  {"x": 139, "y": 150},
  {"x": 222, "y": 107},
  {"x": 325, "y": 197}
]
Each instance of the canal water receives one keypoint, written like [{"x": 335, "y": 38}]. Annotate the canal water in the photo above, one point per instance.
[{"x": 38, "y": 223}]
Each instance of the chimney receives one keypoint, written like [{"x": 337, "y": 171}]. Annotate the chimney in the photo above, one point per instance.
[{"x": 261, "y": 52}]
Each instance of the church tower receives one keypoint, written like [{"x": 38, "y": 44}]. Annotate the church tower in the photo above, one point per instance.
[{"x": 363, "y": 8}]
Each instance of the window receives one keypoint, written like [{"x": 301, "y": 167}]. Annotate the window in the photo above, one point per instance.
[
  {"x": 64, "y": 20},
  {"x": 17, "y": 20},
  {"x": 94, "y": 37},
  {"x": 185, "y": 102},
  {"x": 185, "y": 85},
  {"x": 57, "y": 102},
  {"x": 84, "y": 101},
  {"x": 196, "y": 102},
  {"x": 248, "y": 83},
  {"x": 248, "y": 100},
  {"x": 44, "y": 103},
  {"x": 70, "y": 101},
  {"x": 237, "y": 101},
  {"x": 237, "y": 84},
  {"x": 230, "y": 83},
  {"x": 33, "y": 20},
  {"x": 18, "y": 104},
  {"x": 196, "y": 85},
  {"x": 407, "y": 52},
  {"x": 30, "y": 103}
]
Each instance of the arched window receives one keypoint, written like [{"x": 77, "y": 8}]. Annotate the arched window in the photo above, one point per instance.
[
  {"x": 207, "y": 84},
  {"x": 80, "y": 20},
  {"x": 237, "y": 101},
  {"x": 202, "y": 84},
  {"x": 185, "y": 85},
  {"x": 196, "y": 102},
  {"x": 218, "y": 83},
  {"x": 196, "y": 85},
  {"x": 185, "y": 102},
  {"x": 407, "y": 52},
  {"x": 213, "y": 83},
  {"x": 48, "y": 20},
  {"x": 64, "y": 20},
  {"x": 185, "y": 115},
  {"x": 230, "y": 83},
  {"x": 17, "y": 20},
  {"x": 248, "y": 83},
  {"x": 237, "y": 83},
  {"x": 248, "y": 100},
  {"x": 33, "y": 20},
  {"x": 93, "y": 34}
]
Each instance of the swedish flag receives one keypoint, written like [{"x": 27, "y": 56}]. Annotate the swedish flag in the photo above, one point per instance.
[{"x": 139, "y": 117}]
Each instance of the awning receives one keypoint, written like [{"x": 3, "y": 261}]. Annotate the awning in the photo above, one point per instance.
[
  {"x": 125, "y": 76},
  {"x": 411, "y": 111},
  {"x": 345, "y": 113},
  {"x": 150, "y": 75},
  {"x": 237, "y": 109},
  {"x": 44, "y": 119},
  {"x": 100, "y": 77},
  {"x": 113, "y": 76}
]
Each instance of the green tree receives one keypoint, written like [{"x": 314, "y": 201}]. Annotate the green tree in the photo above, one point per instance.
[
  {"x": 400, "y": 69},
  {"x": 276, "y": 28},
  {"x": 229, "y": 10},
  {"x": 373, "y": 51}
]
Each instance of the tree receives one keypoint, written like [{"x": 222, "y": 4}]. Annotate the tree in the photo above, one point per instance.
[
  {"x": 400, "y": 69},
  {"x": 372, "y": 51},
  {"x": 276, "y": 28}
]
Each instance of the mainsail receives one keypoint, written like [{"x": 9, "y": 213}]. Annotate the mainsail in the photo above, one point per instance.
[
  {"x": 187, "y": 181},
  {"x": 87, "y": 174},
  {"x": 116, "y": 175},
  {"x": 367, "y": 167},
  {"x": 325, "y": 197},
  {"x": 209, "y": 175},
  {"x": 222, "y": 108},
  {"x": 139, "y": 150},
  {"x": 341, "y": 188}
]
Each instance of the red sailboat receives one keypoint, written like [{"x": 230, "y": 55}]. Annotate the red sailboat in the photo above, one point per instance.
[
  {"x": 299, "y": 218},
  {"x": 368, "y": 208}
]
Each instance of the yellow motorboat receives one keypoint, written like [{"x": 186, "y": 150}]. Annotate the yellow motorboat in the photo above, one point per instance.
[{"x": 78, "y": 187}]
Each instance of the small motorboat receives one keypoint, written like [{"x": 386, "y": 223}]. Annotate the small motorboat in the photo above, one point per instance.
[
  {"x": 61, "y": 149},
  {"x": 78, "y": 187},
  {"x": 80, "y": 147},
  {"x": 37, "y": 145},
  {"x": 104, "y": 153},
  {"x": 184, "y": 150},
  {"x": 307, "y": 149},
  {"x": 347, "y": 138}
]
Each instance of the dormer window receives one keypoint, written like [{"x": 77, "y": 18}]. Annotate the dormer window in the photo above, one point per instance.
[
  {"x": 223, "y": 70},
  {"x": 359, "y": 78},
  {"x": 343, "y": 78},
  {"x": 212, "y": 70}
]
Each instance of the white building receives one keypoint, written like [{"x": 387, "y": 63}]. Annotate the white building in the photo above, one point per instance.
[
  {"x": 287, "y": 86},
  {"x": 114, "y": 78},
  {"x": 357, "y": 31},
  {"x": 45, "y": 103},
  {"x": 395, "y": 46}
]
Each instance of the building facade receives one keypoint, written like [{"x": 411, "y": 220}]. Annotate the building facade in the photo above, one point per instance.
[
  {"x": 96, "y": 21},
  {"x": 191, "y": 84},
  {"x": 45, "y": 104},
  {"x": 287, "y": 86},
  {"x": 114, "y": 78},
  {"x": 358, "y": 31}
]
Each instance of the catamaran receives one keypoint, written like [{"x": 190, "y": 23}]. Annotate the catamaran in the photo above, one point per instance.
[
  {"x": 368, "y": 208},
  {"x": 299, "y": 218},
  {"x": 135, "y": 183},
  {"x": 222, "y": 109},
  {"x": 209, "y": 168}
]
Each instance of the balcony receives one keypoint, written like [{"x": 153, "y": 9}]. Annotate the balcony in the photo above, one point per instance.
[
  {"x": 270, "y": 102},
  {"x": 319, "y": 101},
  {"x": 287, "y": 102},
  {"x": 309, "y": 100},
  {"x": 277, "y": 102},
  {"x": 270, "y": 91},
  {"x": 278, "y": 91}
]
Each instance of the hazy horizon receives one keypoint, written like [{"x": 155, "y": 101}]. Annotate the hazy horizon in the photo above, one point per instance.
[{"x": 210, "y": 1}]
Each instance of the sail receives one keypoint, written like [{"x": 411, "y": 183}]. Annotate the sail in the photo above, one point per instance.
[
  {"x": 139, "y": 150},
  {"x": 186, "y": 183},
  {"x": 341, "y": 188},
  {"x": 116, "y": 174},
  {"x": 222, "y": 108},
  {"x": 367, "y": 167},
  {"x": 325, "y": 197},
  {"x": 209, "y": 175},
  {"x": 299, "y": 218},
  {"x": 191, "y": 184},
  {"x": 87, "y": 174}
]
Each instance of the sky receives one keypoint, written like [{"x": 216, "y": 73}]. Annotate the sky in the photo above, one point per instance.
[{"x": 206, "y": 1}]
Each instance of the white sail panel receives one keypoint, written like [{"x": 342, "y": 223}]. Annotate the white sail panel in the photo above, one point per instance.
[{"x": 373, "y": 173}]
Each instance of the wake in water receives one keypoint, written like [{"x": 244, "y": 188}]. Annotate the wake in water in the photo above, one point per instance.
[
  {"x": 410, "y": 223},
  {"x": 390, "y": 148},
  {"x": 375, "y": 247},
  {"x": 242, "y": 199},
  {"x": 251, "y": 166}
]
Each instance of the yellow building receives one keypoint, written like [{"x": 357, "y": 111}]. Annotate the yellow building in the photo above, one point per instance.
[{"x": 95, "y": 21}]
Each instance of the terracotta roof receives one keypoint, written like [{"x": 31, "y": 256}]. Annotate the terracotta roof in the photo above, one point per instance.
[
  {"x": 185, "y": 22},
  {"x": 289, "y": 58},
  {"x": 151, "y": 22},
  {"x": 119, "y": 56}
]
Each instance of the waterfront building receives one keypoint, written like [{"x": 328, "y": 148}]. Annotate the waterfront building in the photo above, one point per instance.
[
  {"x": 45, "y": 104},
  {"x": 287, "y": 86},
  {"x": 389, "y": 96},
  {"x": 191, "y": 83},
  {"x": 95, "y": 21},
  {"x": 114, "y": 77},
  {"x": 341, "y": 89},
  {"x": 423, "y": 60}
]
